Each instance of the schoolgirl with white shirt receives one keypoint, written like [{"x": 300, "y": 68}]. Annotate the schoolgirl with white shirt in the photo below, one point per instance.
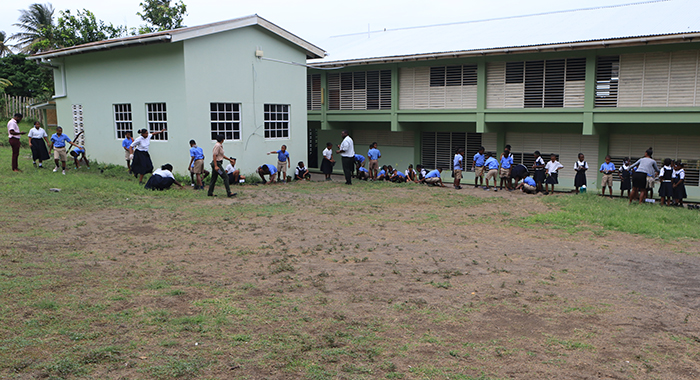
[
  {"x": 328, "y": 162},
  {"x": 552, "y": 169},
  {"x": 142, "y": 163},
  {"x": 580, "y": 167},
  {"x": 162, "y": 179},
  {"x": 37, "y": 138},
  {"x": 678, "y": 180}
]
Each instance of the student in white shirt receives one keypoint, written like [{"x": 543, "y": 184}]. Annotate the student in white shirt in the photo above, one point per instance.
[
  {"x": 37, "y": 138},
  {"x": 552, "y": 169},
  {"x": 328, "y": 161},
  {"x": 162, "y": 179},
  {"x": 580, "y": 167},
  {"x": 234, "y": 174}
]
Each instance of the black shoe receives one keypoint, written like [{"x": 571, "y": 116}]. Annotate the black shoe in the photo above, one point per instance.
[
  {"x": 211, "y": 195},
  {"x": 232, "y": 195}
]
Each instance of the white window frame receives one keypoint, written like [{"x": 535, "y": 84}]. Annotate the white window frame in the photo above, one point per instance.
[
  {"x": 158, "y": 122},
  {"x": 267, "y": 113},
  {"x": 127, "y": 117},
  {"x": 233, "y": 113}
]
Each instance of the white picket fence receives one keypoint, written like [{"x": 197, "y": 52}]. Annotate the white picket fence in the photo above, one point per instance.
[{"x": 10, "y": 105}]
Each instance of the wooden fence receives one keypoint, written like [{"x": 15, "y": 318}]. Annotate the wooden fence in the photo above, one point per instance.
[{"x": 10, "y": 105}]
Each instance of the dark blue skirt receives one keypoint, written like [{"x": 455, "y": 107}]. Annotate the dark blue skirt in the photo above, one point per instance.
[
  {"x": 157, "y": 182},
  {"x": 679, "y": 190},
  {"x": 142, "y": 163},
  {"x": 666, "y": 189},
  {"x": 553, "y": 179}
]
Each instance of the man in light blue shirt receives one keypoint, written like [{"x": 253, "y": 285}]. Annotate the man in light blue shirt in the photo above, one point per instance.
[{"x": 433, "y": 177}]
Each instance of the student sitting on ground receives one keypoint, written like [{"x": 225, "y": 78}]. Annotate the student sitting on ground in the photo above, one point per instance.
[
  {"x": 382, "y": 175},
  {"x": 363, "y": 173},
  {"x": 398, "y": 177},
  {"x": 78, "y": 155},
  {"x": 491, "y": 164},
  {"x": 234, "y": 174},
  {"x": 411, "y": 174},
  {"x": 162, "y": 179},
  {"x": 527, "y": 186},
  {"x": 269, "y": 170},
  {"x": 301, "y": 172},
  {"x": 420, "y": 170},
  {"x": 433, "y": 178}
]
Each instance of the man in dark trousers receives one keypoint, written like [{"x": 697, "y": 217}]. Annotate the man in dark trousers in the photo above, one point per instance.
[
  {"x": 13, "y": 136},
  {"x": 346, "y": 149}
]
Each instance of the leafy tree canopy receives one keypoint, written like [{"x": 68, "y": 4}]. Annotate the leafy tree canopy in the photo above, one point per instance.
[
  {"x": 82, "y": 28},
  {"x": 27, "y": 77},
  {"x": 161, "y": 15}
]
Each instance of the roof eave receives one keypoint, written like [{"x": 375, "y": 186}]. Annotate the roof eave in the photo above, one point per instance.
[{"x": 579, "y": 45}]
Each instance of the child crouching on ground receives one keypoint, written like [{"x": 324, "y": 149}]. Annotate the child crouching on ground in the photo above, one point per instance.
[{"x": 301, "y": 172}]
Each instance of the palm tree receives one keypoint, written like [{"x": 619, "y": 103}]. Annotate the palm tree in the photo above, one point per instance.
[
  {"x": 4, "y": 47},
  {"x": 36, "y": 24}
]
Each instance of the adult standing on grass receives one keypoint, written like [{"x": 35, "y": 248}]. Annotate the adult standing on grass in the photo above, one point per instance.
[
  {"x": 346, "y": 149},
  {"x": 37, "y": 138},
  {"x": 58, "y": 144},
  {"x": 217, "y": 165},
  {"x": 142, "y": 163},
  {"x": 13, "y": 135},
  {"x": 646, "y": 167}
]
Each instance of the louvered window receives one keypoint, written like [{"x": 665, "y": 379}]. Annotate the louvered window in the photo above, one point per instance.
[
  {"x": 359, "y": 90},
  {"x": 364, "y": 137},
  {"x": 607, "y": 76},
  {"x": 439, "y": 87},
  {"x": 552, "y": 83},
  {"x": 453, "y": 76},
  {"x": 438, "y": 148},
  {"x": 313, "y": 92}
]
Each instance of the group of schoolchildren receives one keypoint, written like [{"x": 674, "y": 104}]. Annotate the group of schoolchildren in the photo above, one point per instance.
[{"x": 383, "y": 173}]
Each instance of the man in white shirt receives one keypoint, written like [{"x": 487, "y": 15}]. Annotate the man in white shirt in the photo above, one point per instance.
[
  {"x": 346, "y": 149},
  {"x": 13, "y": 136}
]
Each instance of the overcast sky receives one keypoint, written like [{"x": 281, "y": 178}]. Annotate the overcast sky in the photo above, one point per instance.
[{"x": 316, "y": 20}]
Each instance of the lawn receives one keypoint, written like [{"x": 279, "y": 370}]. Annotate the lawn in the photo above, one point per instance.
[{"x": 105, "y": 279}]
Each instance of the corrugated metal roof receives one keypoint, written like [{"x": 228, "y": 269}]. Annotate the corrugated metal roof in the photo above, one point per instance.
[
  {"x": 174, "y": 35},
  {"x": 664, "y": 17}
]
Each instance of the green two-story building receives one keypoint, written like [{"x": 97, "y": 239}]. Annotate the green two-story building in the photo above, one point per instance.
[{"x": 595, "y": 81}]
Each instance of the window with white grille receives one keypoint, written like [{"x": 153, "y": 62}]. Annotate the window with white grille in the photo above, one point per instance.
[
  {"x": 225, "y": 120},
  {"x": 276, "y": 121},
  {"x": 157, "y": 116},
  {"x": 122, "y": 120},
  {"x": 554, "y": 83},
  {"x": 607, "y": 75},
  {"x": 78, "y": 124},
  {"x": 314, "y": 94},
  {"x": 359, "y": 90}
]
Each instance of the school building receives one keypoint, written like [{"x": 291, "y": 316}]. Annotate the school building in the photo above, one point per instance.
[
  {"x": 607, "y": 80},
  {"x": 239, "y": 78}
]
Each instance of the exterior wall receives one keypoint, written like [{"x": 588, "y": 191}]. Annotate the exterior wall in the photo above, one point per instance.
[
  {"x": 188, "y": 76},
  {"x": 655, "y": 89}
]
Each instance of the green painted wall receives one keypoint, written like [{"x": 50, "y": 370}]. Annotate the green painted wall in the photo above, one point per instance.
[{"x": 188, "y": 76}]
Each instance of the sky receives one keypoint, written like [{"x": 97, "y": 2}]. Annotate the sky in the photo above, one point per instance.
[{"x": 315, "y": 20}]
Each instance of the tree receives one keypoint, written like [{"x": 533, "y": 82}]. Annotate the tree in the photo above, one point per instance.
[
  {"x": 82, "y": 28},
  {"x": 160, "y": 15},
  {"x": 36, "y": 24},
  {"x": 27, "y": 77},
  {"x": 4, "y": 47}
]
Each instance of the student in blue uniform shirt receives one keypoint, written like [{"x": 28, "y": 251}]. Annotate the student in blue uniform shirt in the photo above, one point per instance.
[
  {"x": 76, "y": 154},
  {"x": 527, "y": 186},
  {"x": 267, "y": 169},
  {"x": 457, "y": 167},
  {"x": 433, "y": 178},
  {"x": 359, "y": 162},
  {"x": 478, "y": 167},
  {"x": 607, "y": 168},
  {"x": 196, "y": 165},
  {"x": 382, "y": 174},
  {"x": 283, "y": 162},
  {"x": 128, "y": 153},
  {"x": 374, "y": 155},
  {"x": 363, "y": 173},
  {"x": 398, "y": 177},
  {"x": 492, "y": 165},
  {"x": 58, "y": 145},
  {"x": 506, "y": 163}
]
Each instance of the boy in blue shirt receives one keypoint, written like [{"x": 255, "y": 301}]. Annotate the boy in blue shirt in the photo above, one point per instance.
[
  {"x": 267, "y": 169},
  {"x": 362, "y": 173},
  {"x": 382, "y": 175},
  {"x": 492, "y": 165},
  {"x": 196, "y": 165},
  {"x": 607, "y": 168},
  {"x": 433, "y": 178},
  {"x": 359, "y": 162},
  {"x": 528, "y": 185},
  {"x": 77, "y": 152},
  {"x": 58, "y": 145},
  {"x": 283, "y": 162},
  {"x": 374, "y": 155},
  {"x": 506, "y": 162},
  {"x": 478, "y": 167},
  {"x": 398, "y": 177},
  {"x": 457, "y": 166},
  {"x": 128, "y": 153}
]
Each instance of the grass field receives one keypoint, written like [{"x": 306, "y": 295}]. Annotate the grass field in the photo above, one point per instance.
[{"x": 105, "y": 279}]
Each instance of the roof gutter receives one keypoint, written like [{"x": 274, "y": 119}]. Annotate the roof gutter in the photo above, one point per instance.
[
  {"x": 101, "y": 47},
  {"x": 510, "y": 50}
]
